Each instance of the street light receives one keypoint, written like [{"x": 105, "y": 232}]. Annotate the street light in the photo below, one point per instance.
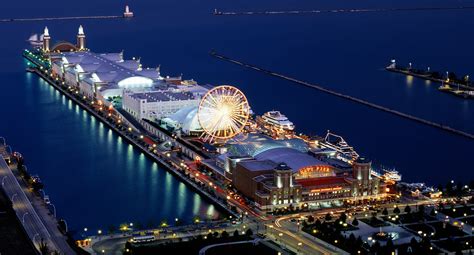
[
  {"x": 23, "y": 218},
  {"x": 54, "y": 207}
]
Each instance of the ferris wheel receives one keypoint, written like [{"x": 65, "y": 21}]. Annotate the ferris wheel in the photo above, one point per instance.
[{"x": 223, "y": 113}]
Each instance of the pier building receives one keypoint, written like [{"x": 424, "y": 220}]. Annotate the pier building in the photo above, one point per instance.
[
  {"x": 154, "y": 105},
  {"x": 273, "y": 185},
  {"x": 109, "y": 77}
]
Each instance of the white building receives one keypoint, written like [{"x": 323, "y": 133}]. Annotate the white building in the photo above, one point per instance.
[{"x": 155, "y": 105}]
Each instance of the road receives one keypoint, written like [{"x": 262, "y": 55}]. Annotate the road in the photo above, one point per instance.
[{"x": 36, "y": 221}]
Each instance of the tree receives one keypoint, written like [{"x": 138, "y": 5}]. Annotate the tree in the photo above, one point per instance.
[
  {"x": 224, "y": 234},
  {"x": 111, "y": 229},
  {"x": 328, "y": 217},
  {"x": 249, "y": 232},
  {"x": 375, "y": 247},
  {"x": 407, "y": 209},
  {"x": 396, "y": 210},
  {"x": 355, "y": 222},
  {"x": 236, "y": 233},
  {"x": 385, "y": 212},
  {"x": 343, "y": 217},
  {"x": 310, "y": 219},
  {"x": 44, "y": 247},
  {"x": 389, "y": 245}
]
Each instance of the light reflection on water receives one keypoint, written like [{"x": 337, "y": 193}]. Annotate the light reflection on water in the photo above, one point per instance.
[{"x": 112, "y": 182}]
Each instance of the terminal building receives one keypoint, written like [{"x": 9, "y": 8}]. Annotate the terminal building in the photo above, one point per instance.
[
  {"x": 111, "y": 78},
  {"x": 273, "y": 185}
]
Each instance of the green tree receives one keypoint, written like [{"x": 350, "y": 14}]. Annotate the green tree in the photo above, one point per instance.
[
  {"x": 355, "y": 222},
  {"x": 249, "y": 232},
  {"x": 343, "y": 217},
  {"x": 236, "y": 233},
  {"x": 224, "y": 234},
  {"x": 328, "y": 217},
  {"x": 396, "y": 210},
  {"x": 310, "y": 219},
  {"x": 385, "y": 212},
  {"x": 407, "y": 209},
  {"x": 43, "y": 247}
]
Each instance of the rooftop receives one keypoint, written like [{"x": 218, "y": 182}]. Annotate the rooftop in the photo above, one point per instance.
[
  {"x": 295, "y": 159},
  {"x": 258, "y": 165}
]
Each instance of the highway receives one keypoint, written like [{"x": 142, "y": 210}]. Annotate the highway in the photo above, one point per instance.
[{"x": 36, "y": 221}]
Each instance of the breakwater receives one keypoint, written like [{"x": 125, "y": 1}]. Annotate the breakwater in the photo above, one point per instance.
[
  {"x": 62, "y": 18},
  {"x": 430, "y": 76},
  {"x": 336, "y": 11},
  {"x": 347, "y": 97}
]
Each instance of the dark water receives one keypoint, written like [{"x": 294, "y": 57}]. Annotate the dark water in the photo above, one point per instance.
[{"x": 96, "y": 179}]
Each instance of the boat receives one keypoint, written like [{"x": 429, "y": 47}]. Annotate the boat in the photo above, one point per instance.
[
  {"x": 392, "y": 175},
  {"x": 278, "y": 120},
  {"x": 36, "y": 41},
  {"x": 444, "y": 87},
  {"x": 337, "y": 143}
]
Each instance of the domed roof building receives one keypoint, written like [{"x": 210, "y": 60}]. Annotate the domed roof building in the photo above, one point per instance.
[{"x": 185, "y": 119}]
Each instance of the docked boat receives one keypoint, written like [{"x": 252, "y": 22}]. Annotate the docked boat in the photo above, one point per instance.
[
  {"x": 337, "y": 143},
  {"x": 392, "y": 175},
  {"x": 277, "y": 120},
  {"x": 36, "y": 41}
]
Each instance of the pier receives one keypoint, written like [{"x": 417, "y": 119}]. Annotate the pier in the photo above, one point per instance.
[
  {"x": 347, "y": 97},
  {"x": 296, "y": 12},
  {"x": 451, "y": 84},
  {"x": 61, "y": 18},
  {"x": 127, "y": 14},
  {"x": 129, "y": 135}
]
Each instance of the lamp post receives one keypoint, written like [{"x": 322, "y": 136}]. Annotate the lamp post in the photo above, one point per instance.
[
  {"x": 23, "y": 218},
  {"x": 54, "y": 207},
  {"x": 3, "y": 180},
  {"x": 13, "y": 197}
]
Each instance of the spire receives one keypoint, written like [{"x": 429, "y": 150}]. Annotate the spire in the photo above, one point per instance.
[
  {"x": 81, "y": 30},
  {"x": 46, "y": 31}
]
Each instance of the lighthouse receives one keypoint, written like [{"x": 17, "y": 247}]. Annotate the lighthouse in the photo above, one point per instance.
[
  {"x": 127, "y": 13},
  {"x": 46, "y": 39},
  {"x": 81, "y": 39}
]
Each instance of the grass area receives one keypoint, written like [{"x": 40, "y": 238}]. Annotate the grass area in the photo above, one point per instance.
[
  {"x": 239, "y": 249},
  {"x": 459, "y": 211},
  {"x": 425, "y": 229},
  {"x": 460, "y": 244},
  {"x": 13, "y": 239},
  {"x": 375, "y": 222},
  {"x": 446, "y": 231}
]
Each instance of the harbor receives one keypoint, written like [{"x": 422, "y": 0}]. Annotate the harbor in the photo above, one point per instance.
[{"x": 460, "y": 87}]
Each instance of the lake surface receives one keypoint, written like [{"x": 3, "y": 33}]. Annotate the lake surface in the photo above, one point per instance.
[{"x": 95, "y": 179}]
